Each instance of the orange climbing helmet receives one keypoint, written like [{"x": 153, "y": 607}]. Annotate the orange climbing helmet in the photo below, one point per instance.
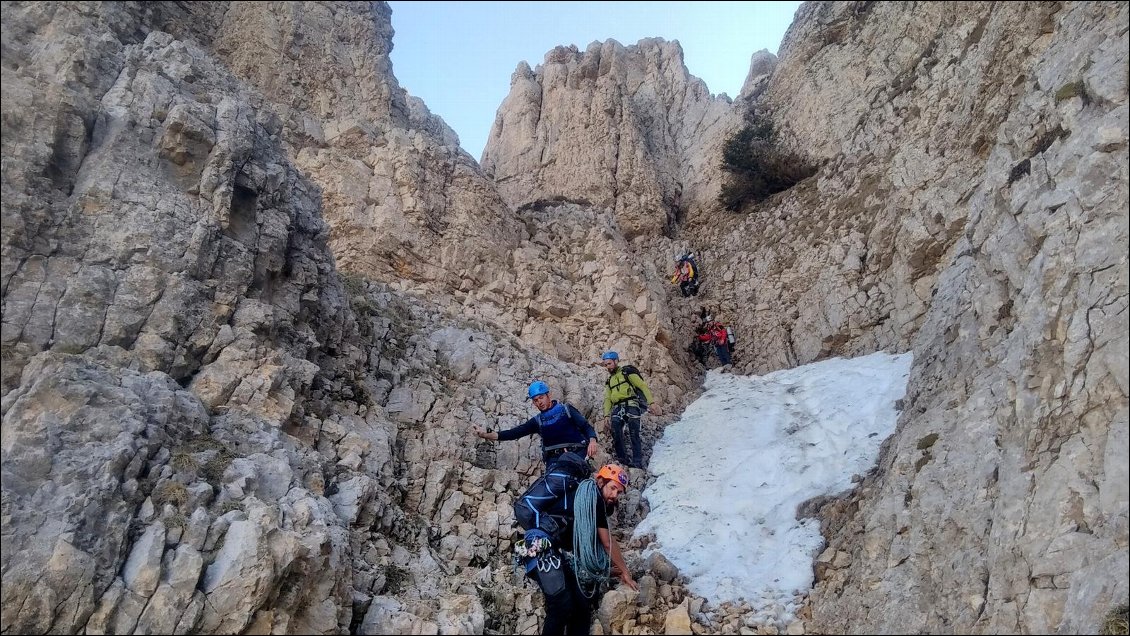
[{"x": 612, "y": 472}]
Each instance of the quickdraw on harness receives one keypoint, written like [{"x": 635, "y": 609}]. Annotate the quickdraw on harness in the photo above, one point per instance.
[
  {"x": 537, "y": 545},
  {"x": 549, "y": 562},
  {"x": 536, "y": 552}
]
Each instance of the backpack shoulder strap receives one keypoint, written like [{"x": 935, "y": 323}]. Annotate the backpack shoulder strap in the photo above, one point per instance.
[
  {"x": 630, "y": 370},
  {"x": 569, "y": 408}
]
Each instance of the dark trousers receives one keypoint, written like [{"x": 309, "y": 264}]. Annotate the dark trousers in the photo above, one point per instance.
[
  {"x": 689, "y": 288},
  {"x": 567, "y": 611},
  {"x": 629, "y": 413},
  {"x": 545, "y": 504},
  {"x": 723, "y": 351}
]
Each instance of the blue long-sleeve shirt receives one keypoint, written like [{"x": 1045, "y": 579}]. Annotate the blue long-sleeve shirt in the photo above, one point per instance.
[{"x": 559, "y": 424}]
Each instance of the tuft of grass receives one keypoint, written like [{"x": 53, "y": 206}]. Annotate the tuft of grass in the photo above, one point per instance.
[
  {"x": 171, "y": 492},
  {"x": 1116, "y": 620},
  {"x": 354, "y": 284},
  {"x": 214, "y": 468},
  {"x": 757, "y": 168},
  {"x": 395, "y": 579},
  {"x": 72, "y": 348},
  {"x": 1069, "y": 91},
  {"x": 202, "y": 443},
  {"x": 357, "y": 290},
  {"x": 928, "y": 441},
  {"x": 184, "y": 462}
]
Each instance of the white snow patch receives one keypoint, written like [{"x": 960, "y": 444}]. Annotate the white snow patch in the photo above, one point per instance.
[{"x": 732, "y": 471}]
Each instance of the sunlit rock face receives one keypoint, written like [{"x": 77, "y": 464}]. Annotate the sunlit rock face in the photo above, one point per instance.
[
  {"x": 971, "y": 207},
  {"x": 208, "y": 428},
  {"x": 626, "y": 128}
]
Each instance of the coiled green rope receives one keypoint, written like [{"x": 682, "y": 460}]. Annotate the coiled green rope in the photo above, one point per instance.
[{"x": 591, "y": 564}]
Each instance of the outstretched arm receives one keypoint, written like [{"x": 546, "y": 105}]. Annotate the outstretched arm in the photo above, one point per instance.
[
  {"x": 528, "y": 428},
  {"x": 586, "y": 428},
  {"x": 613, "y": 550},
  {"x": 485, "y": 434}
]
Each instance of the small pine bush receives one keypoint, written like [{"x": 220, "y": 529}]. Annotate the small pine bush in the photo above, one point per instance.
[{"x": 757, "y": 168}]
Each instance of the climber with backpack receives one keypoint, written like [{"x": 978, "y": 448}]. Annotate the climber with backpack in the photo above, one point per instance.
[
  {"x": 626, "y": 397},
  {"x": 561, "y": 426},
  {"x": 567, "y": 547},
  {"x": 686, "y": 274},
  {"x": 722, "y": 337}
]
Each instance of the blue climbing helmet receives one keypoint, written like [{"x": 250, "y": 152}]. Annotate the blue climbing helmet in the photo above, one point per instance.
[
  {"x": 610, "y": 355},
  {"x": 536, "y": 389}
]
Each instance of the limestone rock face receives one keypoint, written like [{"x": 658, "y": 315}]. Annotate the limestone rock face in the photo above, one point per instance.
[
  {"x": 623, "y": 128},
  {"x": 971, "y": 158},
  {"x": 208, "y": 428},
  {"x": 408, "y": 207},
  {"x": 404, "y": 203},
  {"x": 71, "y": 469},
  {"x": 167, "y": 288}
]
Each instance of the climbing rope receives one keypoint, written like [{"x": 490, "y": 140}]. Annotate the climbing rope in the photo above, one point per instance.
[{"x": 591, "y": 564}]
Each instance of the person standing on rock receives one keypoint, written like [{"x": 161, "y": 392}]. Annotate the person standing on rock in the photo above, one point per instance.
[
  {"x": 626, "y": 397},
  {"x": 562, "y": 427},
  {"x": 721, "y": 337},
  {"x": 686, "y": 274},
  {"x": 567, "y": 547}
]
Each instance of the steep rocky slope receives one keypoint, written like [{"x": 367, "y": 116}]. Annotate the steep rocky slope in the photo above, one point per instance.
[
  {"x": 999, "y": 136},
  {"x": 969, "y": 206},
  {"x": 254, "y": 296},
  {"x": 408, "y": 207},
  {"x": 204, "y": 429}
]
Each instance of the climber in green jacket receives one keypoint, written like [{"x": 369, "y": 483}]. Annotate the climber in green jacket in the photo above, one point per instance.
[{"x": 626, "y": 396}]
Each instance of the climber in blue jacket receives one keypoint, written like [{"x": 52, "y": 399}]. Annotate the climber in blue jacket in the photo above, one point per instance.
[
  {"x": 567, "y": 547},
  {"x": 562, "y": 427}
]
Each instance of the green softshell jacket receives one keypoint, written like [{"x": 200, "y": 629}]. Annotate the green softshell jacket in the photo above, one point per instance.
[{"x": 620, "y": 388}]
